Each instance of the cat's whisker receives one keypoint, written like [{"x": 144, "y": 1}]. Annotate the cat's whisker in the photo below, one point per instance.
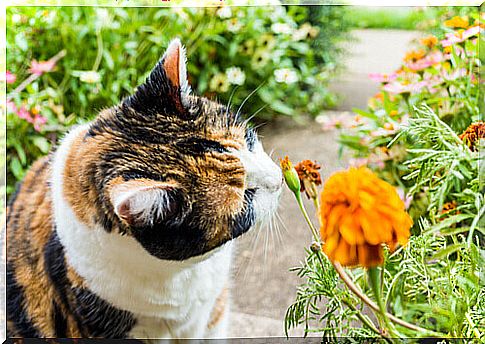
[
  {"x": 246, "y": 99},
  {"x": 278, "y": 217},
  {"x": 247, "y": 120}
]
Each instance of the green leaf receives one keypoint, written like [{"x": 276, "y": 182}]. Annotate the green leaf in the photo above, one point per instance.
[
  {"x": 42, "y": 144},
  {"x": 16, "y": 168},
  {"x": 21, "y": 153},
  {"x": 109, "y": 60},
  {"x": 281, "y": 107},
  {"x": 448, "y": 250}
]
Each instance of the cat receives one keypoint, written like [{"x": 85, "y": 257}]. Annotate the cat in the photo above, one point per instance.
[{"x": 126, "y": 230}]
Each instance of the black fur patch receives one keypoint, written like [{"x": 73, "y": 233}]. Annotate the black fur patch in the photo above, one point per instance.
[
  {"x": 94, "y": 316},
  {"x": 55, "y": 266},
  {"x": 59, "y": 320},
  {"x": 99, "y": 318},
  {"x": 181, "y": 239},
  {"x": 244, "y": 220},
  {"x": 16, "y": 311}
]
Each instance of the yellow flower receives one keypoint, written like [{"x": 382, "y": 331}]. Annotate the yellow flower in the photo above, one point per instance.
[
  {"x": 457, "y": 22},
  {"x": 359, "y": 212},
  {"x": 219, "y": 83},
  {"x": 414, "y": 55},
  {"x": 429, "y": 41}
]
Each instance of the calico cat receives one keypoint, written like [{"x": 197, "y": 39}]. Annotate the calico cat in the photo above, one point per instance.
[{"x": 126, "y": 230}]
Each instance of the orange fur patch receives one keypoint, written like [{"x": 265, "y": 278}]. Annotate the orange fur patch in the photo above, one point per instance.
[{"x": 219, "y": 309}]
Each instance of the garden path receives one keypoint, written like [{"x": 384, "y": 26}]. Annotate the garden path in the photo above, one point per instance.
[{"x": 263, "y": 287}]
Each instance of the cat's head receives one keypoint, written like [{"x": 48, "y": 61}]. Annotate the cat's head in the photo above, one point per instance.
[{"x": 180, "y": 173}]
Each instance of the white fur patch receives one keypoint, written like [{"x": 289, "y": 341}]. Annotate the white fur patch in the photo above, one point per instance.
[
  {"x": 145, "y": 204},
  {"x": 263, "y": 175}
]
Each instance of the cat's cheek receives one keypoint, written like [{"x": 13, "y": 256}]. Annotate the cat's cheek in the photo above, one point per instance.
[{"x": 224, "y": 199}]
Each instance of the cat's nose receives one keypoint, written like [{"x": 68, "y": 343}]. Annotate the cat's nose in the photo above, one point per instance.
[{"x": 274, "y": 182}]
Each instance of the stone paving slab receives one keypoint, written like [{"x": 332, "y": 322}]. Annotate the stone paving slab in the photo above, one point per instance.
[{"x": 370, "y": 51}]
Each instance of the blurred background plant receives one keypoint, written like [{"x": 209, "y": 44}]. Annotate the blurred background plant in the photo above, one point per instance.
[{"x": 286, "y": 54}]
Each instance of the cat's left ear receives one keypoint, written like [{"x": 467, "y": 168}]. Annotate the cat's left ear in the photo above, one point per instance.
[
  {"x": 174, "y": 63},
  {"x": 166, "y": 87}
]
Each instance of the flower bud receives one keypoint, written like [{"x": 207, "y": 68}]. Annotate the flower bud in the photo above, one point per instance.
[{"x": 290, "y": 175}]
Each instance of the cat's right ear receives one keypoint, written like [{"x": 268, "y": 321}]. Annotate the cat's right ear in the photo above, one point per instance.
[
  {"x": 167, "y": 87},
  {"x": 142, "y": 203}
]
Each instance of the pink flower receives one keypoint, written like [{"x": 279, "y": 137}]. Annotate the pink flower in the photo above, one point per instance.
[
  {"x": 39, "y": 122},
  {"x": 10, "y": 77},
  {"x": 24, "y": 113},
  {"x": 378, "y": 77},
  {"x": 358, "y": 162},
  {"x": 407, "y": 199},
  {"x": 460, "y": 36},
  {"x": 397, "y": 88},
  {"x": 39, "y": 68},
  {"x": 455, "y": 74},
  {"x": 428, "y": 61}
]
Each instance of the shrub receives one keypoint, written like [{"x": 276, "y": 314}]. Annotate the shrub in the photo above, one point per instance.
[{"x": 275, "y": 52}]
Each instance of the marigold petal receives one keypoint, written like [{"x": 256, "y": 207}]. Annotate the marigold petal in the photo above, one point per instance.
[
  {"x": 331, "y": 243},
  {"x": 350, "y": 229},
  {"x": 370, "y": 255},
  {"x": 333, "y": 220},
  {"x": 344, "y": 254},
  {"x": 370, "y": 222}
]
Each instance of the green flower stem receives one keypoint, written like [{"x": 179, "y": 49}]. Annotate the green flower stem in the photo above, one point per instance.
[
  {"x": 351, "y": 285},
  {"x": 375, "y": 283},
  {"x": 307, "y": 218},
  {"x": 365, "y": 320}
]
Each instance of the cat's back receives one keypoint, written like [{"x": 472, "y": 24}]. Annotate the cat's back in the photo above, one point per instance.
[
  {"x": 29, "y": 228},
  {"x": 29, "y": 214}
]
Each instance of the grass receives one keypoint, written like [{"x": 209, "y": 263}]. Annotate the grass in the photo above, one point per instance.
[{"x": 404, "y": 18}]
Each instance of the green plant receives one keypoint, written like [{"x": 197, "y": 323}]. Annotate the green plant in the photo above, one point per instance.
[
  {"x": 266, "y": 54},
  {"x": 422, "y": 133}
]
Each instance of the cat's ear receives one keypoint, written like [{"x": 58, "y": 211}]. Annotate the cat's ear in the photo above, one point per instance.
[
  {"x": 174, "y": 62},
  {"x": 167, "y": 86},
  {"x": 142, "y": 203}
]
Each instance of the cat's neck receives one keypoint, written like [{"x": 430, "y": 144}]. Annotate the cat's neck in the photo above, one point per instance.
[{"x": 120, "y": 270}]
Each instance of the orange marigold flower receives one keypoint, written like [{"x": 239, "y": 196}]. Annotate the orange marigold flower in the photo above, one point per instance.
[
  {"x": 309, "y": 177},
  {"x": 359, "y": 212},
  {"x": 473, "y": 134},
  {"x": 429, "y": 41},
  {"x": 414, "y": 55},
  {"x": 457, "y": 22}
]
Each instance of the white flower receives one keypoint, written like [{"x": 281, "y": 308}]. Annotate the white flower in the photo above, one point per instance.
[
  {"x": 16, "y": 18},
  {"x": 90, "y": 77},
  {"x": 285, "y": 75},
  {"x": 235, "y": 76},
  {"x": 102, "y": 17},
  {"x": 233, "y": 25},
  {"x": 281, "y": 28},
  {"x": 224, "y": 12}
]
